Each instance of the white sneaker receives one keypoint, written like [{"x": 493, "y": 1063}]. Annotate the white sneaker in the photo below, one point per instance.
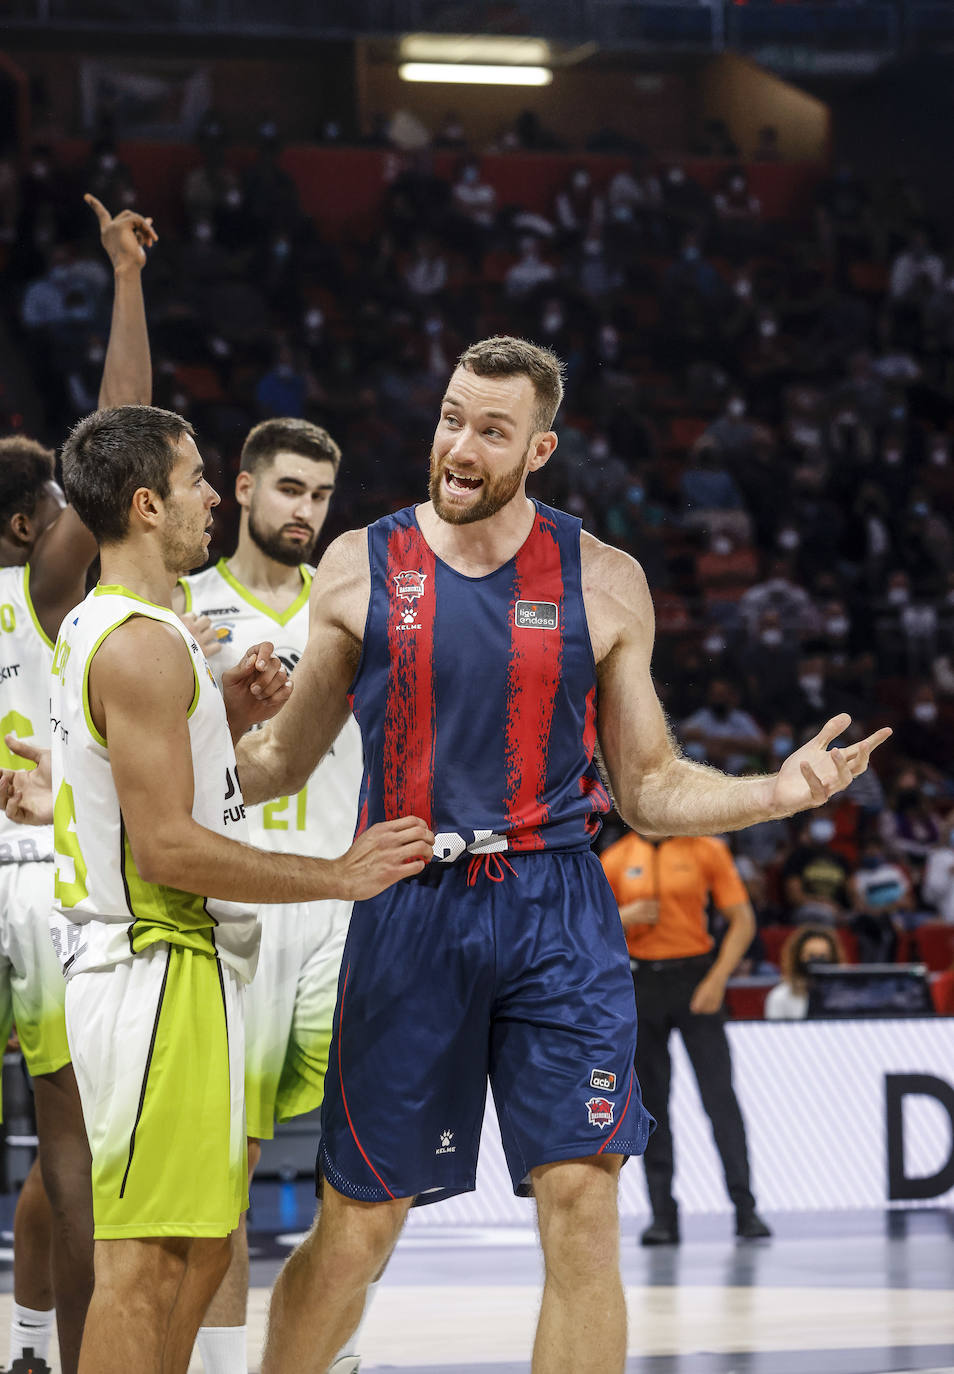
[{"x": 348, "y": 1364}]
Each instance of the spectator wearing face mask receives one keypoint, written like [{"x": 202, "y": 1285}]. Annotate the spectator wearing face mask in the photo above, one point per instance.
[
  {"x": 530, "y": 271},
  {"x": 923, "y": 737},
  {"x": 474, "y": 209},
  {"x": 720, "y": 732},
  {"x": 937, "y": 884},
  {"x": 908, "y": 827},
  {"x": 788, "y": 1000},
  {"x": 578, "y": 210},
  {"x": 768, "y": 664},
  {"x": 882, "y": 896},
  {"x": 779, "y": 592},
  {"x": 815, "y": 878},
  {"x": 733, "y": 431},
  {"x": 711, "y": 499}
]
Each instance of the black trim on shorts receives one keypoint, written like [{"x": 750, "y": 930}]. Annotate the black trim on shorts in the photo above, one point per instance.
[
  {"x": 225, "y": 1015},
  {"x": 145, "y": 1077}
]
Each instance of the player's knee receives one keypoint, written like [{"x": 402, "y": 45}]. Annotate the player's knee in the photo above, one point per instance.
[
  {"x": 577, "y": 1205},
  {"x": 212, "y": 1256},
  {"x": 142, "y": 1277}
]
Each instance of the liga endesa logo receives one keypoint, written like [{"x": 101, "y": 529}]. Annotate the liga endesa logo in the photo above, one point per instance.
[{"x": 536, "y": 615}]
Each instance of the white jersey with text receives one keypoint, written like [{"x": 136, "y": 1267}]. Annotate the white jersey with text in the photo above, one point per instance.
[
  {"x": 105, "y": 911},
  {"x": 320, "y": 820},
  {"x": 25, "y": 658}
]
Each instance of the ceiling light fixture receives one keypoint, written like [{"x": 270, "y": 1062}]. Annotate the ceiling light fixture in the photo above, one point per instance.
[{"x": 475, "y": 74}]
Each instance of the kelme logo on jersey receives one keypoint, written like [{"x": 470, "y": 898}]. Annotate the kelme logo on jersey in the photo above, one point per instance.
[
  {"x": 410, "y": 588},
  {"x": 600, "y": 1111},
  {"x": 603, "y": 1080},
  {"x": 536, "y": 615}
]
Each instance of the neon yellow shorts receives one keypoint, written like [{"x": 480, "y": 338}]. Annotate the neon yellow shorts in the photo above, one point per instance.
[
  {"x": 289, "y": 1011},
  {"x": 158, "y": 1050},
  {"x": 32, "y": 988}
]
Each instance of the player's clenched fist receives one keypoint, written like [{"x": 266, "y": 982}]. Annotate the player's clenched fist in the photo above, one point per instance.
[{"x": 383, "y": 855}]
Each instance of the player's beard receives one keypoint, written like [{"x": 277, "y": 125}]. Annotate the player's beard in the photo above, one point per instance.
[
  {"x": 277, "y": 546},
  {"x": 496, "y": 493},
  {"x": 182, "y": 549}
]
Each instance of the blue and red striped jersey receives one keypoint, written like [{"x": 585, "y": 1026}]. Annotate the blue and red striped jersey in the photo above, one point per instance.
[{"x": 476, "y": 696}]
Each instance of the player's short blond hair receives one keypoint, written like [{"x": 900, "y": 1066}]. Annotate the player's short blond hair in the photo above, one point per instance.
[{"x": 505, "y": 356}]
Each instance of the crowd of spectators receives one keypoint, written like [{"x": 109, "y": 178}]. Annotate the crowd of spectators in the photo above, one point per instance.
[{"x": 761, "y": 412}]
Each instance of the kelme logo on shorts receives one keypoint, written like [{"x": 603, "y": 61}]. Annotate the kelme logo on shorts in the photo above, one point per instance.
[
  {"x": 536, "y": 615},
  {"x": 603, "y": 1080}
]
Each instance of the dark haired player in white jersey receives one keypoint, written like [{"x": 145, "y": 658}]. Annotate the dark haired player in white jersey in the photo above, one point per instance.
[
  {"x": 157, "y": 890},
  {"x": 286, "y": 479},
  {"x": 45, "y": 551}
]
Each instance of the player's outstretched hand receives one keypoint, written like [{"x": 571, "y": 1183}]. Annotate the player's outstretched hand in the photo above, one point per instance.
[
  {"x": 202, "y": 630},
  {"x": 816, "y": 772},
  {"x": 26, "y": 795},
  {"x": 126, "y": 237},
  {"x": 255, "y": 689},
  {"x": 384, "y": 854}
]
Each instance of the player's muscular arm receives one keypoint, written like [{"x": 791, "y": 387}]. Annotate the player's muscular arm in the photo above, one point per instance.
[
  {"x": 279, "y": 759},
  {"x": 65, "y": 550},
  {"x": 141, "y": 685},
  {"x": 657, "y": 791}
]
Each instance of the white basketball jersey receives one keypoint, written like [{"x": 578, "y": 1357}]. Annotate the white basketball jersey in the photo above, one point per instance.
[
  {"x": 106, "y": 911},
  {"x": 320, "y": 821},
  {"x": 25, "y": 658}
]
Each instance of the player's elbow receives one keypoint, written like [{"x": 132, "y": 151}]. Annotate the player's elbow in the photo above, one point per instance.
[{"x": 160, "y": 857}]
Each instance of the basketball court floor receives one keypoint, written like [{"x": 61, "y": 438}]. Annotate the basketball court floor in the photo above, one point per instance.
[{"x": 837, "y": 1293}]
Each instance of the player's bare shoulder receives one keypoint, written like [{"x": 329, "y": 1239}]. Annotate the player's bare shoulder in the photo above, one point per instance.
[
  {"x": 341, "y": 588},
  {"x": 615, "y": 595}
]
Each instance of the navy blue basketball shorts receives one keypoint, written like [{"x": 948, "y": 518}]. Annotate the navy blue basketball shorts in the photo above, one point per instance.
[{"x": 512, "y": 968}]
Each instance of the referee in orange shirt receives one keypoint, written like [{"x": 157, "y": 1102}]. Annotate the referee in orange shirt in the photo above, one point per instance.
[{"x": 663, "y": 887}]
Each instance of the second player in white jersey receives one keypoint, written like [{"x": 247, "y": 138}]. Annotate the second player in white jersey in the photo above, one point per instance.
[
  {"x": 290, "y": 1004},
  {"x": 320, "y": 819}
]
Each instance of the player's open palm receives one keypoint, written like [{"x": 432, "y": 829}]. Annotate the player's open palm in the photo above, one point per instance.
[
  {"x": 26, "y": 794},
  {"x": 384, "y": 854},
  {"x": 816, "y": 771}
]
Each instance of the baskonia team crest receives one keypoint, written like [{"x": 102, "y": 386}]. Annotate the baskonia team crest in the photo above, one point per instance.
[
  {"x": 600, "y": 1110},
  {"x": 410, "y": 588}
]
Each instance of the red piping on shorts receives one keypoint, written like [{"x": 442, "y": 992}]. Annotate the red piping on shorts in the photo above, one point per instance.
[
  {"x": 344, "y": 1099},
  {"x": 632, "y": 1075}
]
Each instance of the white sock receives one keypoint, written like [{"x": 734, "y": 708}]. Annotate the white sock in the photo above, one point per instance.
[
  {"x": 352, "y": 1347},
  {"x": 224, "y": 1349},
  {"x": 30, "y": 1330}
]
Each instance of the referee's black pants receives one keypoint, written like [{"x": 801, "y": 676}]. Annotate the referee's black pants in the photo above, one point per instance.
[{"x": 664, "y": 990}]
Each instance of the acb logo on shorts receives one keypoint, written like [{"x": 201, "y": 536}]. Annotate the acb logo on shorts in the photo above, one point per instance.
[{"x": 603, "y": 1080}]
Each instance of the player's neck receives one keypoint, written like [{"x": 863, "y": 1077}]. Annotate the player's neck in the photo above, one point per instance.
[
  {"x": 276, "y": 584},
  {"x": 480, "y": 548},
  {"x": 125, "y": 567}
]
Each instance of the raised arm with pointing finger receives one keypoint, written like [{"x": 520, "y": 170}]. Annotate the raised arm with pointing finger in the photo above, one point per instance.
[{"x": 60, "y": 551}]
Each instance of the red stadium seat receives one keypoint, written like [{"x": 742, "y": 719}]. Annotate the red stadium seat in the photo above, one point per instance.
[
  {"x": 746, "y": 1003},
  {"x": 934, "y": 944}
]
